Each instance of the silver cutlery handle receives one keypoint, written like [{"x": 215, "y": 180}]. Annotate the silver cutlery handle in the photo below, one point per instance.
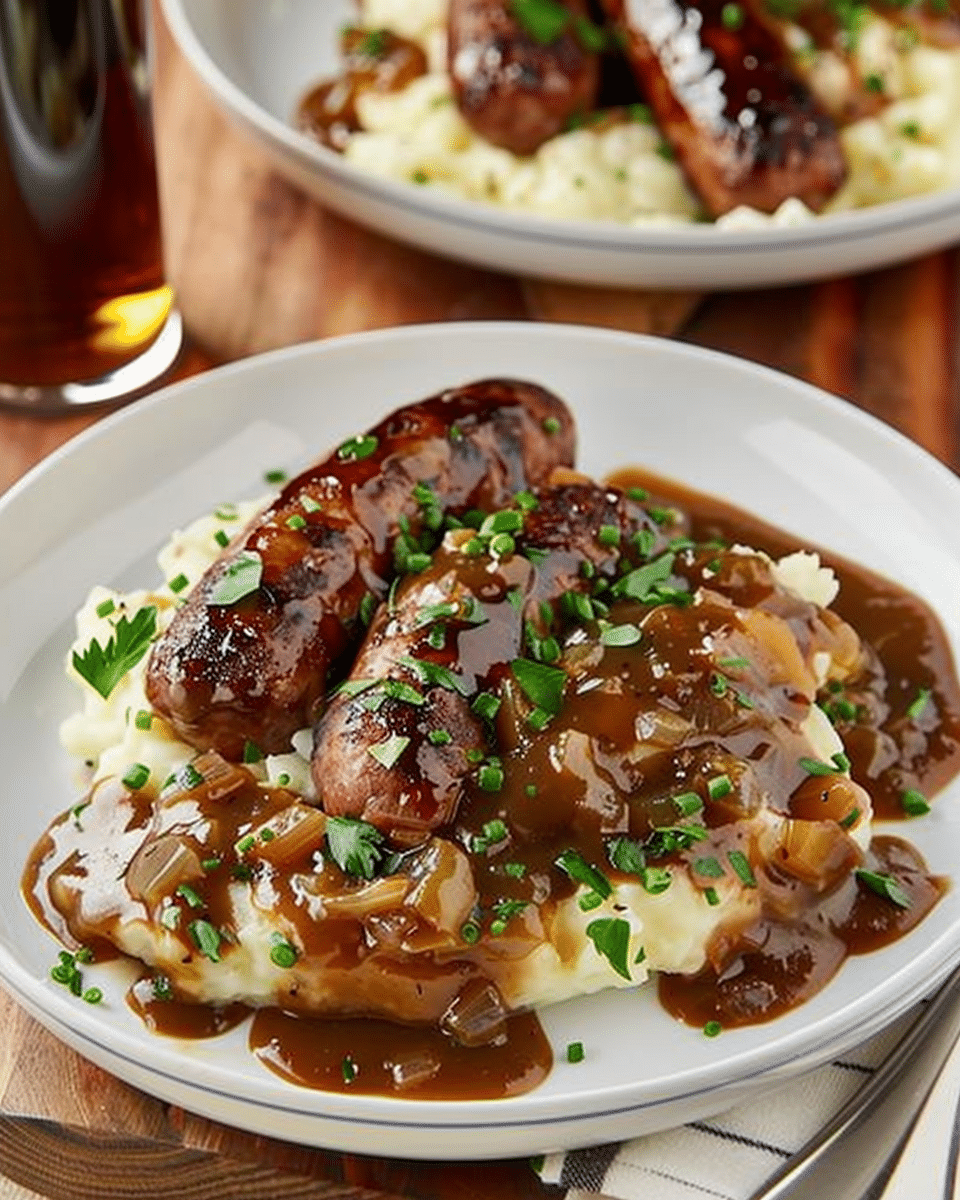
[{"x": 856, "y": 1154}]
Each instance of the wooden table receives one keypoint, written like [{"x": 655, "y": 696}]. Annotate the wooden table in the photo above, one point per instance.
[{"x": 258, "y": 265}]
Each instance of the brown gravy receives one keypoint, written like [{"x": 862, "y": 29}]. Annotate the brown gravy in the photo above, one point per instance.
[{"x": 757, "y": 975}]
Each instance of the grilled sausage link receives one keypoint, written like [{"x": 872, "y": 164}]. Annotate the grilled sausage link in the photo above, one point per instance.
[
  {"x": 399, "y": 740},
  {"x": 744, "y": 128},
  {"x": 246, "y": 668},
  {"x": 511, "y": 88}
]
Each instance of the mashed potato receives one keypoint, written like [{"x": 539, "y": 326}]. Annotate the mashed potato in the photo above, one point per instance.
[
  {"x": 626, "y": 173},
  {"x": 669, "y": 930}
]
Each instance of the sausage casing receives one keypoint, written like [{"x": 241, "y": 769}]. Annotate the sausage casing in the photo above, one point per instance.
[{"x": 249, "y": 669}]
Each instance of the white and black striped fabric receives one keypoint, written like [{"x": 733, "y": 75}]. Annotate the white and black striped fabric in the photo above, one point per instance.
[{"x": 729, "y": 1156}]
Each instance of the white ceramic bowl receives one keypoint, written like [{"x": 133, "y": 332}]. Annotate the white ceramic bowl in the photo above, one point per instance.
[
  {"x": 97, "y": 510},
  {"x": 258, "y": 59}
]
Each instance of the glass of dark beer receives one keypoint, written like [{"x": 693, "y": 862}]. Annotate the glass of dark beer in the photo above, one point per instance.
[{"x": 86, "y": 314}]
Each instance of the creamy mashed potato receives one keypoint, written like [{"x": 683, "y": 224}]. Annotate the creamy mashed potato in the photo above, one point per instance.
[
  {"x": 673, "y": 928},
  {"x": 625, "y": 173}
]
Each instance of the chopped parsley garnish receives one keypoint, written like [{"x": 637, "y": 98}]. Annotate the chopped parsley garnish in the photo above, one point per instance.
[
  {"x": 105, "y": 608},
  {"x": 388, "y": 751},
  {"x": 576, "y": 866},
  {"x": 611, "y": 937},
  {"x": 884, "y": 885},
  {"x": 688, "y": 803},
  {"x": 355, "y": 846},
  {"x": 357, "y": 448},
  {"x": 241, "y": 578},
  {"x": 914, "y": 803},
  {"x": 104, "y": 666},
  {"x": 541, "y": 684},
  {"x": 434, "y": 673},
  {"x": 919, "y": 704},
  {"x": 575, "y": 1052},
  {"x": 640, "y": 583},
  {"x": 712, "y": 1028}
]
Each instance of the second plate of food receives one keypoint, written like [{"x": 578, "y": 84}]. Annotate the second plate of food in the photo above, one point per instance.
[
  {"x": 622, "y": 1063},
  {"x": 603, "y": 204}
]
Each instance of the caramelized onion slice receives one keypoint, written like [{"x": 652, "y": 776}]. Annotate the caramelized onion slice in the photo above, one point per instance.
[
  {"x": 477, "y": 1015},
  {"x": 819, "y": 853},
  {"x": 159, "y": 866}
]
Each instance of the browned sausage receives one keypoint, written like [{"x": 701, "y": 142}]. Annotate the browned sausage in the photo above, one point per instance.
[
  {"x": 744, "y": 128},
  {"x": 517, "y": 91},
  {"x": 233, "y": 669},
  {"x": 397, "y": 743}
]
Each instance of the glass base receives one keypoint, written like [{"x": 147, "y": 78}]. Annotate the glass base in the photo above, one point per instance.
[{"x": 134, "y": 379}]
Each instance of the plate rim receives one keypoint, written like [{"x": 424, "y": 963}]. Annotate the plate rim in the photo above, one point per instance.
[{"x": 854, "y": 225}]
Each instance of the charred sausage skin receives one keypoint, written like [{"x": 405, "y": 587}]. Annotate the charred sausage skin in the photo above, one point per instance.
[
  {"x": 396, "y": 745},
  {"x": 744, "y": 128},
  {"x": 252, "y": 670},
  {"x": 513, "y": 90}
]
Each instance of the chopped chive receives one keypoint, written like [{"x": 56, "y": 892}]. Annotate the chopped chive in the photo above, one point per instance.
[
  {"x": 310, "y": 505},
  {"x": 609, "y": 535},
  {"x": 206, "y": 938},
  {"x": 712, "y": 1028},
  {"x": 516, "y": 870},
  {"x": 93, "y": 995},
  {"x": 275, "y": 476},
  {"x": 136, "y": 776},
  {"x": 815, "y": 766},
  {"x": 282, "y": 953},
  {"x": 191, "y": 897},
  {"x": 349, "y": 1069},
  {"x": 741, "y": 865},
  {"x": 719, "y": 786},
  {"x": 296, "y": 522},
  {"x": 439, "y": 737},
  {"x": 850, "y": 819},
  {"x": 919, "y": 704},
  {"x": 840, "y": 761},
  {"x": 105, "y": 608},
  {"x": 711, "y": 896},
  {"x": 708, "y": 866},
  {"x": 688, "y": 803},
  {"x": 252, "y": 753},
  {"x": 490, "y": 777},
  {"x": 551, "y": 425},
  {"x": 575, "y": 1052},
  {"x": 589, "y": 901},
  {"x": 884, "y": 885},
  {"x": 470, "y": 932}
]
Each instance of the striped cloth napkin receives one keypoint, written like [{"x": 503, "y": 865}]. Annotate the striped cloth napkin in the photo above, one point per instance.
[{"x": 731, "y": 1155}]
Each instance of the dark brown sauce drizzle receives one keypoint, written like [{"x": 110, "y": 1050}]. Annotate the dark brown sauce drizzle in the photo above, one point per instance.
[
  {"x": 790, "y": 961},
  {"x": 383, "y": 1059},
  {"x": 754, "y": 975}
]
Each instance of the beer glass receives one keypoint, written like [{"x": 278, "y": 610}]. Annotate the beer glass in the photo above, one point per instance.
[{"x": 86, "y": 315}]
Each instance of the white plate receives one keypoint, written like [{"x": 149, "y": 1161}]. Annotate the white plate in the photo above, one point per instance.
[
  {"x": 97, "y": 510},
  {"x": 258, "y": 59}
]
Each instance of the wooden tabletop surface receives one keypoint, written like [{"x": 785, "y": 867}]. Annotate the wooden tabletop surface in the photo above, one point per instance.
[{"x": 258, "y": 265}]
